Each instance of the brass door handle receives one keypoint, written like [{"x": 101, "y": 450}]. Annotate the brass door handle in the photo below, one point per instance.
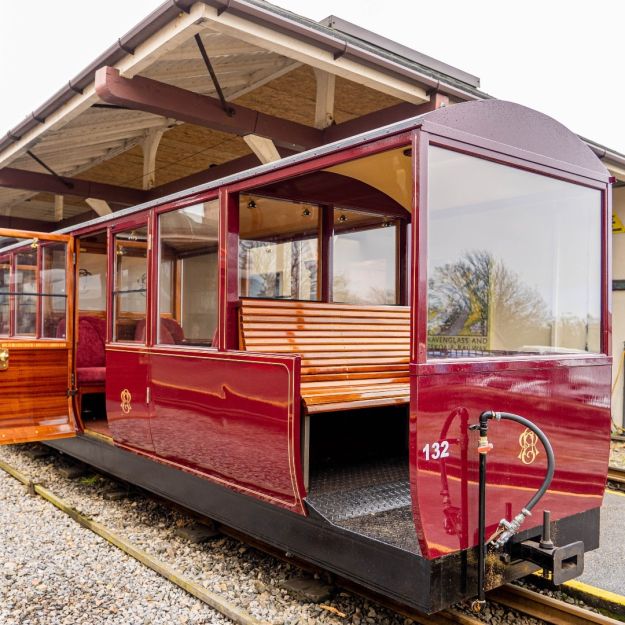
[{"x": 4, "y": 358}]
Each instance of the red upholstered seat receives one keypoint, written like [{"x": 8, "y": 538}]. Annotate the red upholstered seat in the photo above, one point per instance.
[
  {"x": 90, "y": 356},
  {"x": 173, "y": 328},
  {"x": 91, "y": 341},
  {"x": 91, "y": 375},
  {"x": 170, "y": 332}
]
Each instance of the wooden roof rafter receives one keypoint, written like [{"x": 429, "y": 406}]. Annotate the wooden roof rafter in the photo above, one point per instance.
[{"x": 248, "y": 55}]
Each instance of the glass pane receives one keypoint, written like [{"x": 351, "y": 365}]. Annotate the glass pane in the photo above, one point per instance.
[
  {"x": 129, "y": 295},
  {"x": 53, "y": 294},
  {"x": 25, "y": 289},
  {"x": 278, "y": 249},
  {"x": 365, "y": 259},
  {"x": 92, "y": 268},
  {"x": 5, "y": 273},
  {"x": 188, "y": 275},
  {"x": 514, "y": 260}
]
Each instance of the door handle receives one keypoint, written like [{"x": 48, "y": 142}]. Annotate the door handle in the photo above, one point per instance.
[{"x": 4, "y": 358}]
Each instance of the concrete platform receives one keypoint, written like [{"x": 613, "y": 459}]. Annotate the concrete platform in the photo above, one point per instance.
[{"x": 605, "y": 568}]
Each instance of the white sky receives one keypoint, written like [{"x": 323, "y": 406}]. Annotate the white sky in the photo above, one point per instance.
[{"x": 557, "y": 56}]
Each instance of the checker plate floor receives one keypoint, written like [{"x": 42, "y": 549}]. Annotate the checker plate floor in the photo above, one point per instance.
[{"x": 372, "y": 499}]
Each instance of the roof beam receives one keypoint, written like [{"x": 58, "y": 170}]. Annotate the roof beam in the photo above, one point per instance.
[
  {"x": 265, "y": 149},
  {"x": 167, "y": 38},
  {"x": 152, "y": 96},
  {"x": 212, "y": 173},
  {"x": 21, "y": 223},
  {"x": 324, "y": 103},
  {"x": 149, "y": 145},
  {"x": 58, "y": 207},
  {"x": 316, "y": 55},
  {"x": 207, "y": 175},
  {"x": 45, "y": 183},
  {"x": 101, "y": 207},
  {"x": 383, "y": 117}
]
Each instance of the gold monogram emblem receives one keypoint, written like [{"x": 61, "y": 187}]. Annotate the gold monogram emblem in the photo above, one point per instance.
[
  {"x": 126, "y": 397},
  {"x": 529, "y": 451}
]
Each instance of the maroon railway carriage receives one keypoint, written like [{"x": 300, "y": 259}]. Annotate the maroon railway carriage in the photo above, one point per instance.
[{"x": 298, "y": 351}]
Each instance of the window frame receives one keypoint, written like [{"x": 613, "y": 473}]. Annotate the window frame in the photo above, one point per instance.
[
  {"x": 399, "y": 255},
  {"x": 321, "y": 208},
  {"x": 8, "y": 262},
  {"x": 142, "y": 220},
  {"x": 484, "y": 149},
  {"x": 155, "y": 264}
]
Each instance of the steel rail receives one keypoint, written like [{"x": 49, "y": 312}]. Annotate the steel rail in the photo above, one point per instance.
[
  {"x": 616, "y": 475},
  {"x": 519, "y": 598},
  {"x": 215, "y": 601},
  {"x": 547, "y": 608}
]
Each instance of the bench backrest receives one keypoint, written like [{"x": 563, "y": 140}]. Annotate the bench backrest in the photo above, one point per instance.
[
  {"x": 336, "y": 341},
  {"x": 90, "y": 351}
]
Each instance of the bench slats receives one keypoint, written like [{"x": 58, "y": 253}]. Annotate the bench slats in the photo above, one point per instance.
[
  {"x": 331, "y": 341},
  {"x": 352, "y": 356},
  {"x": 281, "y": 304}
]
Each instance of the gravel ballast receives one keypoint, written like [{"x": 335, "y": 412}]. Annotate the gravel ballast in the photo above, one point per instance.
[
  {"x": 54, "y": 571},
  {"x": 85, "y": 580}
]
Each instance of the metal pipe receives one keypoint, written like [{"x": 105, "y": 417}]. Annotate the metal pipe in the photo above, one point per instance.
[
  {"x": 507, "y": 529},
  {"x": 481, "y": 557},
  {"x": 483, "y": 447}
]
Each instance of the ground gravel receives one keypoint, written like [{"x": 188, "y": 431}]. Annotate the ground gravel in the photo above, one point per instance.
[
  {"x": 617, "y": 454},
  {"x": 53, "y": 571},
  {"x": 85, "y": 580}
]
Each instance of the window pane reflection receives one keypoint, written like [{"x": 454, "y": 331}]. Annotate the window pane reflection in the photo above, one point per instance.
[
  {"x": 5, "y": 273},
  {"x": 129, "y": 295},
  {"x": 514, "y": 260},
  {"x": 278, "y": 249},
  {"x": 365, "y": 259},
  {"x": 188, "y": 275},
  {"x": 54, "y": 298},
  {"x": 25, "y": 289}
]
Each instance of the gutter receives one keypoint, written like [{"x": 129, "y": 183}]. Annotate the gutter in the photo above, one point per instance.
[
  {"x": 604, "y": 153},
  {"x": 254, "y": 11}
]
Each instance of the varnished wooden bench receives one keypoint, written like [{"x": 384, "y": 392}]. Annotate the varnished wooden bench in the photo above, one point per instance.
[{"x": 352, "y": 356}]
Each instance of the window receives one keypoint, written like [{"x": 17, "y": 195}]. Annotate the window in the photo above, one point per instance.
[
  {"x": 514, "y": 260},
  {"x": 130, "y": 285},
  {"x": 92, "y": 269},
  {"x": 53, "y": 295},
  {"x": 188, "y": 275},
  {"x": 25, "y": 292},
  {"x": 364, "y": 259},
  {"x": 5, "y": 274},
  {"x": 278, "y": 249}
]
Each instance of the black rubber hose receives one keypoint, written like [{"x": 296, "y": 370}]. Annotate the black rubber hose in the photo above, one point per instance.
[{"x": 551, "y": 461}]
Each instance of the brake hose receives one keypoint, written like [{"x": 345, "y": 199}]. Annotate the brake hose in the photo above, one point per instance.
[
  {"x": 507, "y": 529},
  {"x": 512, "y": 527}
]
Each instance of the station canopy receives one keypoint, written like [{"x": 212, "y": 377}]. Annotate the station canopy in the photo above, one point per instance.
[{"x": 201, "y": 90}]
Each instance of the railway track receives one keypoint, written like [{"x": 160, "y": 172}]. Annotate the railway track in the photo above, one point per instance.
[
  {"x": 547, "y": 608},
  {"x": 616, "y": 475},
  {"x": 523, "y": 600}
]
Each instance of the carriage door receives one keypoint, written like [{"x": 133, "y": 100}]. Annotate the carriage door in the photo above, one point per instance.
[
  {"x": 36, "y": 336},
  {"x": 127, "y": 360}
]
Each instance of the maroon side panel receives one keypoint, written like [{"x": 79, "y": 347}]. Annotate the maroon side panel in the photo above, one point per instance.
[
  {"x": 231, "y": 417},
  {"x": 126, "y": 397},
  {"x": 569, "y": 403}
]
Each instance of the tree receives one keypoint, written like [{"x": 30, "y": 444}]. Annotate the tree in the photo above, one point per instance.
[{"x": 479, "y": 296}]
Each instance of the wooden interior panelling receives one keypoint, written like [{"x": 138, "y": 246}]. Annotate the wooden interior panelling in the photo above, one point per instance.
[
  {"x": 34, "y": 392},
  {"x": 351, "y": 355}
]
